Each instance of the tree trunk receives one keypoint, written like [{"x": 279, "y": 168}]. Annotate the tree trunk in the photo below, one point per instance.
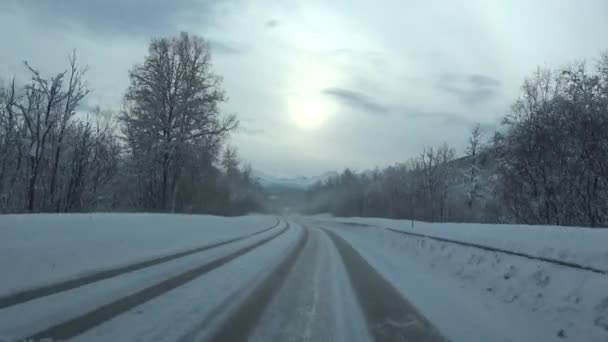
[
  {"x": 164, "y": 182},
  {"x": 54, "y": 177},
  {"x": 31, "y": 192}
]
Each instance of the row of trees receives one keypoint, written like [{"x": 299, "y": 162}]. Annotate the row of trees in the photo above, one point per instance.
[
  {"x": 435, "y": 186},
  {"x": 162, "y": 152},
  {"x": 547, "y": 165},
  {"x": 554, "y": 153},
  {"x": 51, "y": 160}
]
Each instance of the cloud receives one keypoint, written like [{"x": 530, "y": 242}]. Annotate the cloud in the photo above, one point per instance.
[
  {"x": 360, "y": 101},
  {"x": 126, "y": 16},
  {"x": 227, "y": 47},
  {"x": 272, "y": 23},
  {"x": 483, "y": 81},
  {"x": 472, "y": 89}
]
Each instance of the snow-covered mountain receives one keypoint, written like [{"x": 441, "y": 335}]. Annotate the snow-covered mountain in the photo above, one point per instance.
[{"x": 298, "y": 182}]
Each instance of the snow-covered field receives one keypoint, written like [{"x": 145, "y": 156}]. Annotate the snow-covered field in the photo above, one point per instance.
[
  {"x": 477, "y": 295},
  {"x": 45, "y": 248}
]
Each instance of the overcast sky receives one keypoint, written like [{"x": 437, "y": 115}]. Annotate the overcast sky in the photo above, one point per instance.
[{"x": 322, "y": 85}]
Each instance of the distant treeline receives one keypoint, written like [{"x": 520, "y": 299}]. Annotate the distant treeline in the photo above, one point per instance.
[
  {"x": 548, "y": 164},
  {"x": 164, "y": 151}
]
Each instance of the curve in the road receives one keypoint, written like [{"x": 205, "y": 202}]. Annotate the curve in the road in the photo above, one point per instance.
[
  {"x": 389, "y": 316},
  {"x": 46, "y": 290},
  {"x": 82, "y": 323}
]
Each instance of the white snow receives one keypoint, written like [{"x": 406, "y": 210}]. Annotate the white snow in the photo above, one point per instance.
[
  {"x": 475, "y": 295},
  {"x": 45, "y": 248},
  {"x": 585, "y": 246},
  {"x": 316, "y": 302},
  {"x": 44, "y": 312},
  {"x": 196, "y": 307},
  {"x": 470, "y": 294}
]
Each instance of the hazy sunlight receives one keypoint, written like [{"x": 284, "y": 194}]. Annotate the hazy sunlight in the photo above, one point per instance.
[{"x": 308, "y": 111}]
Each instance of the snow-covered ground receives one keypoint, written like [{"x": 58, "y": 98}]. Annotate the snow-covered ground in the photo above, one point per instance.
[
  {"x": 585, "y": 246},
  {"x": 197, "y": 306},
  {"x": 472, "y": 294},
  {"x": 43, "y": 312},
  {"x": 467, "y": 293},
  {"x": 45, "y": 248}
]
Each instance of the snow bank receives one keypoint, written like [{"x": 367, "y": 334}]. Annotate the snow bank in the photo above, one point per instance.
[
  {"x": 584, "y": 246},
  {"x": 477, "y": 295},
  {"x": 44, "y": 248}
]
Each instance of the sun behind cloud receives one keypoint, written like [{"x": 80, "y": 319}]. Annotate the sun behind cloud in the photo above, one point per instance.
[{"x": 308, "y": 111}]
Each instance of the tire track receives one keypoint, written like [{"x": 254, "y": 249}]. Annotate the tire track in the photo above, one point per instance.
[
  {"x": 82, "y": 323},
  {"x": 243, "y": 320},
  {"x": 389, "y": 316},
  {"x": 46, "y": 290},
  {"x": 316, "y": 302}
]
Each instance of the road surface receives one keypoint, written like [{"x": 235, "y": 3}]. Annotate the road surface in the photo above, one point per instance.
[{"x": 293, "y": 281}]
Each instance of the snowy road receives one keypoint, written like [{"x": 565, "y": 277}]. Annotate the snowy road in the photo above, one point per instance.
[
  {"x": 157, "y": 277},
  {"x": 332, "y": 294},
  {"x": 290, "y": 281}
]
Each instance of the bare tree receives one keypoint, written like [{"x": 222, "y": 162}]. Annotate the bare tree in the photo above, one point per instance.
[
  {"x": 445, "y": 155},
  {"x": 56, "y": 160},
  {"x": 8, "y": 138},
  {"x": 39, "y": 110},
  {"x": 171, "y": 104},
  {"x": 230, "y": 161},
  {"x": 473, "y": 178},
  {"x": 76, "y": 90},
  {"x": 474, "y": 141},
  {"x": 554, "y": 165},
  {"x": 46, "y": 107}
]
